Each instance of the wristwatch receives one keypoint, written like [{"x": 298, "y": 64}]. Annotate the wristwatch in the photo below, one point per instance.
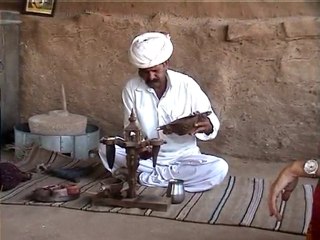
[{"x": 311, "y": 167}]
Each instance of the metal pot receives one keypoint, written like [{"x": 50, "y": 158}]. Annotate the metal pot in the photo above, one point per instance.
[{"x": 176, "y": 191}]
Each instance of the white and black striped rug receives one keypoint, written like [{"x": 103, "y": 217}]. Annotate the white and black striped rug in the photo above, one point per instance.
[{"x": 238, "y": 201}]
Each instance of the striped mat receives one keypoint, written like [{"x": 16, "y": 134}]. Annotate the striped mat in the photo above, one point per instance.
[{"x": 238, "y": 201}]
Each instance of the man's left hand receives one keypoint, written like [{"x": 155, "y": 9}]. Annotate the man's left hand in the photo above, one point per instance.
[{"x": 203, "y": 126}]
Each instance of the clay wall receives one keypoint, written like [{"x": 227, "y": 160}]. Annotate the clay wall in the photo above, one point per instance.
[{"x": 258, "y": 62}]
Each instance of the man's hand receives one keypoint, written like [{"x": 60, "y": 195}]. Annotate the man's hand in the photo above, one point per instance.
[
  {"x": 203, "y": 126},
  {"x": 192, "y": 124},
  {"x": 284, "y": 185},
  {"x": 168, "y": 130}
]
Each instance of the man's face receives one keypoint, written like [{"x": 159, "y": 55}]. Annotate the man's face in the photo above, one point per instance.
[{"x": 155, "y": 76}]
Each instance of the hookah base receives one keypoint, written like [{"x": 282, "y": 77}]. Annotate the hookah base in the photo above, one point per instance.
[{"x": 155, "y": 203}]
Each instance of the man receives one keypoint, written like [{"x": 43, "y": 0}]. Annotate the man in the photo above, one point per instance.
[
  {"x": 285, "y": 184},
  {"x": 159, "y": 96}
]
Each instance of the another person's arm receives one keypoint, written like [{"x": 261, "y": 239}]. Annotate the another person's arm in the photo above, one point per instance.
[{"x": 285, "y": 184}]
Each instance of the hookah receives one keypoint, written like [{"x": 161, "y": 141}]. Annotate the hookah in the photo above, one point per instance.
[{"x": 133, "y": 143}]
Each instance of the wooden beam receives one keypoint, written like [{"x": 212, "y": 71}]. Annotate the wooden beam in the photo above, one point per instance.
[{"x": 155, "y": 203}]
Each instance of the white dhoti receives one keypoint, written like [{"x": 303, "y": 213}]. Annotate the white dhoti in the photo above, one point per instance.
[{"x": 199, "y": 172}]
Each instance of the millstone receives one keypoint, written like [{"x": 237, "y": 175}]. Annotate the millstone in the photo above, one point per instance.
[{"x": 58, "y": 122}]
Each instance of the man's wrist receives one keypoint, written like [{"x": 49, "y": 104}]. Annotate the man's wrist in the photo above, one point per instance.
[
  {"x": 211, "y": 129},
  {"x": 311, "y": 167},
  {"x": 298, "y": 169}
]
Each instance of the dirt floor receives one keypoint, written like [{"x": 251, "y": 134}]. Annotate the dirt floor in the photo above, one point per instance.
[{"x": 40, "y": 223}]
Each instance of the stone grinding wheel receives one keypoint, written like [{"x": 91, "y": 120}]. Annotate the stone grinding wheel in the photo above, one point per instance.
[{"x": 58, "y": 122}]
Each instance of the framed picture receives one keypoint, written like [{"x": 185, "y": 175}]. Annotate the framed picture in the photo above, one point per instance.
[{"x": 40, "y": 7}]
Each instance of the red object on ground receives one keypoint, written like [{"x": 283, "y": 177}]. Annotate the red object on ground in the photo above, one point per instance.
[{"x": 315, "y": 220}]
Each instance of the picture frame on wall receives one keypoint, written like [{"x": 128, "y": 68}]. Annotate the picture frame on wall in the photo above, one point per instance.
[{"x": 40, "y": 7}]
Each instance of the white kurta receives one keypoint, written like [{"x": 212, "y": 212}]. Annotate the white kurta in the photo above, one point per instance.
[{"x": 180, "y": 157}]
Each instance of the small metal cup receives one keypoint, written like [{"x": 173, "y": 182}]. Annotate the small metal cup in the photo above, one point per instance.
[{"x": 176, "y": 191}]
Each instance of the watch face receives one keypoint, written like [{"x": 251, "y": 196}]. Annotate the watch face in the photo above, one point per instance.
[{"x": 311, "y": 166}]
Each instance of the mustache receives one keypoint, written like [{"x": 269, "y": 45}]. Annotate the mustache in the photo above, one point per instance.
[{"x": 151, "y": 81}]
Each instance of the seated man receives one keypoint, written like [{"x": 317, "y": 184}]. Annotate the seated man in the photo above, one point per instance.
[
  {"x": 159, "y": 96},
  {"x": 285, "y": 184}
]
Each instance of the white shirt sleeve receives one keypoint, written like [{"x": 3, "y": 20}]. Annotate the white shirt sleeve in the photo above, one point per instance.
[{"x": 201, "y": 103}]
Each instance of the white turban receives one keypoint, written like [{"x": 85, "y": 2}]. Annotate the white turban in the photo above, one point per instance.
[{"x": 150, "y": 49}]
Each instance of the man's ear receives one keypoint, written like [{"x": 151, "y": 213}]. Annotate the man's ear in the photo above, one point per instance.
[{"x": 166, "y": 64}]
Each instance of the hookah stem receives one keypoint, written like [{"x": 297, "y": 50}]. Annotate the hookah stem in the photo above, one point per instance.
[
  {"x": 132, "y": 164},
  {"x": 64, "y": 99}
]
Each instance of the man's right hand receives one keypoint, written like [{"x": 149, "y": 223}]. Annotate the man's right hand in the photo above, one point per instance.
[{"x": 282, "y": 187}]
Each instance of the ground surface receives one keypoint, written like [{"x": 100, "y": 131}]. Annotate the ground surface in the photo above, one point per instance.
[{"x": 42, "y": 223}]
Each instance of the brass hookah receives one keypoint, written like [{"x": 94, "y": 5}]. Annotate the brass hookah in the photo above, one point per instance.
[{"x": 134, "y": 143}]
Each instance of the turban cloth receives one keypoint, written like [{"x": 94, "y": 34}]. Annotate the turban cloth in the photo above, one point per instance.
[{"x": 150, "y": 49}]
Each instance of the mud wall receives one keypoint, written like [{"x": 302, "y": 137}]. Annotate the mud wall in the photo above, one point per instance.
[{"x": 258, "y": 63}]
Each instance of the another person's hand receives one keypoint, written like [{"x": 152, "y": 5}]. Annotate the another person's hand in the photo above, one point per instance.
[{"x": 283, "y": 186}]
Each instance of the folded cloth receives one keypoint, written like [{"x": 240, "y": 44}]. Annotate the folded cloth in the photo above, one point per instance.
[{"x": 11, "y": 176}]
